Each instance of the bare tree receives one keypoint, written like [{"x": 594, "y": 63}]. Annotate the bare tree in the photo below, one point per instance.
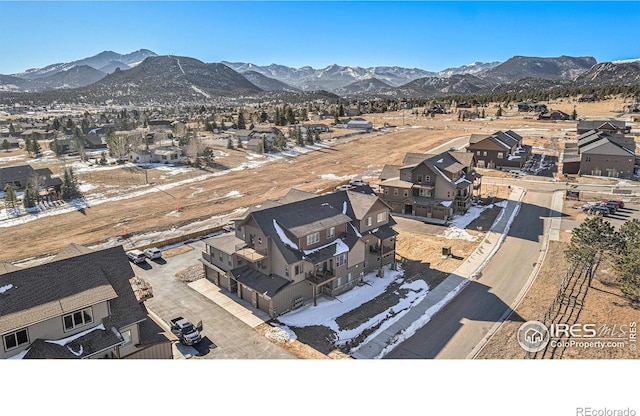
[{"x": 118, "y": 144}]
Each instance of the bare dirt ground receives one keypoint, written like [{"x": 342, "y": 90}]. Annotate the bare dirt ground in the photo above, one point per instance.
[{"x": 604, "y": 304}]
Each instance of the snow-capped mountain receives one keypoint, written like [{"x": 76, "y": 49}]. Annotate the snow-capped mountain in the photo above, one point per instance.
[
  {"x": 333, "y": 77},
  {"x": 99, "y": 61},
  {"x": 475, "y": 68}
]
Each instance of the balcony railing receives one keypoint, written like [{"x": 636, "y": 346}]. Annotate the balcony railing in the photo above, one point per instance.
[{"x": 320, "y": 277}]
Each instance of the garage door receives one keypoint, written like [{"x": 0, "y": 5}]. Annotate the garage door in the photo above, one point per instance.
[
  {"x": 263, "y": 304},
  {"x": 248, "y": 295}
]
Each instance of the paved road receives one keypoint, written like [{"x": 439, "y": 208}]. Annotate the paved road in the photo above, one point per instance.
[
  {"x": 232, "y": 338},
  {"x": 461, "y": 325}
]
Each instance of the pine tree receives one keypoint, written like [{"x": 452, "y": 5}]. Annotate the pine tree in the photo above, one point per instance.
[
  {"x": 499, "y": 112},
  {"x": 309, "y": 136},
  {"x": 574, "y": 114},
  {"x": 316, "y": 135},
  {"x": 298, "y": 135},
  {"x": 6, "y": 145},
  {"x": 10, "y": 197},
  {"x": 69, "y": 188},
  {"x": 28, "y": 197},
  {"x": 589, "y": 242},
  {"x": 229, "y": 143},
  {"x": 241, "y": 123},
  {"x": 35, "y": 147},
  {"x": 27, "y": 145},
  {"x": 239, "y": 143}
]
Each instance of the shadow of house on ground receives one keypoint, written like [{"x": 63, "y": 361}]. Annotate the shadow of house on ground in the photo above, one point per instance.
[{"x": 479, "y": 304}]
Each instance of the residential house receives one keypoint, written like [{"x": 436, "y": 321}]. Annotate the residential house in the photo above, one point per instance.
[
  {"x": 92, "y": 141},
  {"x": 600, "y": 154},
  {"x": 165, "y": 155},
  {"x": 528, "y": 107},
  {"x": 319, "y": 127},
  {"x": 19, "y": 176},
  {"x": 430, "y": 186},
  {"x": 288, "y": 252},
  {"x": 14, "y": 143},
  {"x": 554, "y": 115},
  {"x": 499, "y": 150},
  {"x": 604, "y": 126},
  {"x": 81, "y": 304},
  {"x": 360, "y": 125}
]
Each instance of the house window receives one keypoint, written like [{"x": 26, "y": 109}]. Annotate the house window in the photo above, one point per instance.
[
  {"x": 15, "y": 339},
  {"x": 484, "y": 153},
  {"x": 587, "y": 159},
  {"x": 500, "y": 155},
  {"x": 427, "y": 178},
  {"x": 313, "y": 238},
  {"x": 349, "y": 276},
  {"x": 127, "y": 336},
  {"x": 77, "y": 319},
  {"x": 419, "y": 179},
  {"x": 339, "y": 282},
  {"x": 286, "y": 271},
  {"x": 406, "y": 192},
  {"x": 424, "y": 192},
  {"x": 368, "y": 221},
  {"x": 395, "y": 191},
  {"x": 331, "y": 232},
  {"x": 221, "y": 256},
  {"x": 381, "y": 217},
  {"x": 478, "y": 152},
  {"x": 259, "y": 240},
  {"x": 341, "y": 259},
  {"x": 386, "y": 191},
  {"x": 299, "y": 269}
]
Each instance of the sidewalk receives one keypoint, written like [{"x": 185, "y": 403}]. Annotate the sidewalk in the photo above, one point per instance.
[{"x": 420, "y": 314}]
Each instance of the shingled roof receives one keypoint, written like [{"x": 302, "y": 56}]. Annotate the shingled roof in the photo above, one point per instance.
[{"x": 68, "y": 284}]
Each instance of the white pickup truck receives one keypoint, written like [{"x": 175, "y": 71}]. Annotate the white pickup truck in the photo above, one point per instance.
[{"x": 187, "y": 333}]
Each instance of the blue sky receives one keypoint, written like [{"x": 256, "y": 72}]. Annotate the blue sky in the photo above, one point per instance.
[{"x": 428, "y": 35}]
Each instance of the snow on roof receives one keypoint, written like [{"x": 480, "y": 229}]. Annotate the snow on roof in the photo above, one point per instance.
[
  {"x": 462, "y": 179},
  {"x": 5, "y": 288},
  {"x": 440, "y": 161},
  {"x": 341, "y": 247},
  {"x": 441, "y": 173},
  {"x": 355, "y": 230},
  {"x": 64, "y": 341},
  {"x": 446, "y": 203},
  {"x": 344, "y": 207},
  {"x": 283, "y": 236}
]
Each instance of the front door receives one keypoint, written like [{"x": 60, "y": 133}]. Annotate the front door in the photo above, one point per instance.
[{"x": 408, "y": 209}]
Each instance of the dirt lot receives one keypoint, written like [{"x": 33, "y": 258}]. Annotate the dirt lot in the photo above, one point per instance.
[{"x": 604, "y": 303}]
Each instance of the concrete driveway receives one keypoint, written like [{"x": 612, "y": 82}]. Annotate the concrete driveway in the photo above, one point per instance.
[{"x": 224, "y": 335}]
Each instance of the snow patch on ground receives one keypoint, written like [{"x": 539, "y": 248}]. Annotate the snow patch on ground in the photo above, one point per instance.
[{"x": 328, "y": 310}]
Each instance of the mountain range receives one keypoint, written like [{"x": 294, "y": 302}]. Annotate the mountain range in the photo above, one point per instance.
[{"x": 143, "y": 77}]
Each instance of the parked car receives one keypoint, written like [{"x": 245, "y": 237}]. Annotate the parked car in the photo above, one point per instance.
[
  {"x": 601, "y": 210},
  {"x": 587, "y": 208},
  {"x": 153, "y": 253},
  {"x": 613, "y": 207},
  {"x": 617, "y": 201},
  {"x": 187, "y": 333},
  {"x": 136, "y": 256}
]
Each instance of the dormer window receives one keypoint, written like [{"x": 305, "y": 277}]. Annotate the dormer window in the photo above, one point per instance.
[
  {"x": 331, "y": 232},
  {"x": 313, "y": 238}
]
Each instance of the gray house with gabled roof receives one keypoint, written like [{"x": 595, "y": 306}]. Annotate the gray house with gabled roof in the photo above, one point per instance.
[
  {"x": 600, "y": 154},
  {"x": 80, "y": 304},
  {"x": 287, "y": 252},
  {"x": 431, "y": 186},
  {"x": 499, "y": 150}
]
